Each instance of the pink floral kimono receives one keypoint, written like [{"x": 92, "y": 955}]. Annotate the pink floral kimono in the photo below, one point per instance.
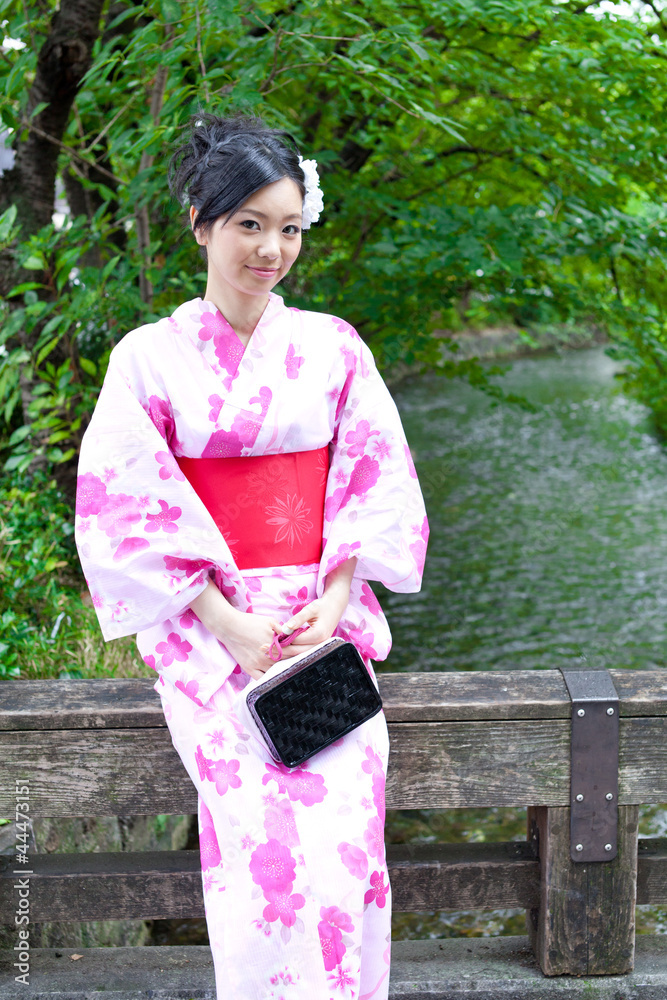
[{"x": 297, "y": 897}]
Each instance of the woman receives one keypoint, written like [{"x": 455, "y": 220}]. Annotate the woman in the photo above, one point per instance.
[{"x": 246, "y": 468}]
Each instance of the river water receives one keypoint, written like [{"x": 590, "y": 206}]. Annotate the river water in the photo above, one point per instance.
[
  {"x": 548, "y": 547},
  {"x": 548, "y": 529}
]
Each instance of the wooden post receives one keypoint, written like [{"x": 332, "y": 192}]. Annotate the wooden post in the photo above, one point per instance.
[{"x": 585, "y": 924}]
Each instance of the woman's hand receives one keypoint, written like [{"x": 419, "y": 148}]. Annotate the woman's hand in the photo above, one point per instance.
[
  {"x": 323, "y": 614},
  {"x": 242, "y": 634}
]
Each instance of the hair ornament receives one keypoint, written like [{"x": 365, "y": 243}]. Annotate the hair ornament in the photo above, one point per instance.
[{"x": 313, "y": 203}]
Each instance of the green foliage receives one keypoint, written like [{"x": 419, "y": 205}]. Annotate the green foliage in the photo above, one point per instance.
[
  {"x": 38, "y": 602},
  {"x": 481, "y": 162},
  {"x": 48, "y": 627}
]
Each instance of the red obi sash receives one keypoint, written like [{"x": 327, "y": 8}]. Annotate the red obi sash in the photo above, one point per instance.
[{"x": 270, "y": 508}]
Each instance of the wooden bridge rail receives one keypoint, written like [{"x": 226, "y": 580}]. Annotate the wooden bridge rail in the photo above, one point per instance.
[{"x": 101, "y": 748}]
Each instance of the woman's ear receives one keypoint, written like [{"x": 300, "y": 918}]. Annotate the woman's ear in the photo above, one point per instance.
[{"x": 197, "y": 233}]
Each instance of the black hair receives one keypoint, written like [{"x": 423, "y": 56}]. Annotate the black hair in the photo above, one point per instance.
[{"x": 226, "y": 160}]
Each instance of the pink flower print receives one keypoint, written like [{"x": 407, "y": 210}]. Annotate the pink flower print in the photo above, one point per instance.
[
  {"x": 228, "y": 348},
  {"x": 120, "y": 609},
  {"x": 118, "y": 515},
  {"x": 374, "y": 837},
  {"x": 190, "y": 689},
  {"x": 169, "y": 465},
  {"x": 91, "y": 495},
  {"x": 217, "y": 738},
  {"x": 282, "y": 904},
  {"x": 165, "y": 519},
  {"x": 150, "y": 661},
  {"x": 188, "y": 566},
  {"x": 293, "y": 362},
  {"x": 299, "y": 784},
  {"x": 223, "y": 775},
  {"x": 109, "y": 474},
  {"x": 331, "y": 939},
  {"x": 335, "y": 916},
  {"x": 409, "y": 462},
  {"x": 373, "y": 763},
  {"x": 272, "y": 867},
  {"x": 341, "y": 979},
  {"x": 350, "y": 360},
  {"x": 160, "y": 413},
  {"x": 223, "y": 444},
  {"x": 364, "y": 476},
  {"x": 202, "y": 762},
  {"x": 354, "y": 859},
  {"x": 298, "y": 601},
  {"x": 343, "y": 326},
  {"x": 364, "y": 642},
  {"x": 98, "y": 600},
  {"x": 209, "y": 848},
  {"x": 216, "y": 405},
  {"x": 291, "y": 516},
  {"x": 379, "y": 796},
  {"x": 358, "y": 438},
  {"x": 187, "y": 619},
  {"x": 369, "y": 600},
  {"x": 129, "y": 547},
  {"x": 284, "y": 977},
  {"x": 343, "y": 553},
  {"x": 174, "y": 648},
  {"x": 381, "y": 448},
  {"x": 210, "y": 322},
  {"x": 279, "y": 824},
  {"x": 378, "y": 890}
]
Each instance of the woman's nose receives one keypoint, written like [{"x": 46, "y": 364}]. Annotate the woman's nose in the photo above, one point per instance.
[{"x": 269, "y": 247}]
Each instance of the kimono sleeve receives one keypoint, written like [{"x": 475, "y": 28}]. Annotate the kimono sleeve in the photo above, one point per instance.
[
  {"x": 374, "y": 508},
  {"x": 146, "y": 542}
]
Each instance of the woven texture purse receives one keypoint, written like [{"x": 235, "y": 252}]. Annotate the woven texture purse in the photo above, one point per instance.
[{"x": 301, "y": 706}]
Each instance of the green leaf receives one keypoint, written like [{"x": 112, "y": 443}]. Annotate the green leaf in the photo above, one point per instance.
[
  {"x": 20, "y": 435},
  {"x": 7, "y": 220},
  {"x": 34, "y": 262},
  {"x": 88, "y": 366},
  {"x": 421, "y": 53}
]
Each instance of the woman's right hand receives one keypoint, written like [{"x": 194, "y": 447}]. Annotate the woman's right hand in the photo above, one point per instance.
[{"x": 241, "y": 634}]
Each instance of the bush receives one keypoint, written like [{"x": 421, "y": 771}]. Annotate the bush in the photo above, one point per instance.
[{"x": 47, "y": 626}]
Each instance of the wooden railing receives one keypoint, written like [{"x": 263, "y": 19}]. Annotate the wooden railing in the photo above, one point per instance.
[{"x": 101, "y": 748}]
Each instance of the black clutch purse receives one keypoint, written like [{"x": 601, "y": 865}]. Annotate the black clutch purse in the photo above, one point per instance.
[{"x": 300, "y": 706}]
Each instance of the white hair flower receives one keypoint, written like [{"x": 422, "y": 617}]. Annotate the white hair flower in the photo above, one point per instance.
[{"x": 313, "y": 203}]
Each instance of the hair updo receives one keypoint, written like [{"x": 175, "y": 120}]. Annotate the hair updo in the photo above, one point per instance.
[{"x": 226, "y": 160}]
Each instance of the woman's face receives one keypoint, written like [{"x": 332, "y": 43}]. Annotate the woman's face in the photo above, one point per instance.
[{"x": 255, "y": 248}]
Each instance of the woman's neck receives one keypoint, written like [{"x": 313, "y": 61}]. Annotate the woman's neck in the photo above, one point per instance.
[{"x": 242, "y": 312}]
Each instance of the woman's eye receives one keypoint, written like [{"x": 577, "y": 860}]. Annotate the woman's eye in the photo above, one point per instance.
[
  {"x": 249, "y": 223},
  {"x": 292, "y": 230}
]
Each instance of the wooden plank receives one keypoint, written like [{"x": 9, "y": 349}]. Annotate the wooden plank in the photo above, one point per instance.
[
  {"x": 167, "y": 884},
  {"x": 446, "y": 765},
  {"x": 652, "y": 872},
  {"x": 408, "y": 697},
  {"x": 87, "y": 703},
  {"x": 585, "y": 924}
]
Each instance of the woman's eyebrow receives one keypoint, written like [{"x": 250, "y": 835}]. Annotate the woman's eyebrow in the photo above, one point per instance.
[{"x": 262, "y": 215}]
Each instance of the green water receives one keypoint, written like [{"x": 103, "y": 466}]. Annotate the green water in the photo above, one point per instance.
[
  {"x": 548, "y": 547},
  {"x": 548, "y": 529}
]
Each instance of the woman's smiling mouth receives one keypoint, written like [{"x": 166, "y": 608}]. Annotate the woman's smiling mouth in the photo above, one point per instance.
[{"x": 263, "y": 272}]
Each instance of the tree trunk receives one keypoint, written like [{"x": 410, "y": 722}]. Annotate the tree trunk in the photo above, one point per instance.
[{"x": 63, "y": 60}]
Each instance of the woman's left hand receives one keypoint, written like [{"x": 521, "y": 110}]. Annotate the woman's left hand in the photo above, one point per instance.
[{"x": 323, "y": 614}]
